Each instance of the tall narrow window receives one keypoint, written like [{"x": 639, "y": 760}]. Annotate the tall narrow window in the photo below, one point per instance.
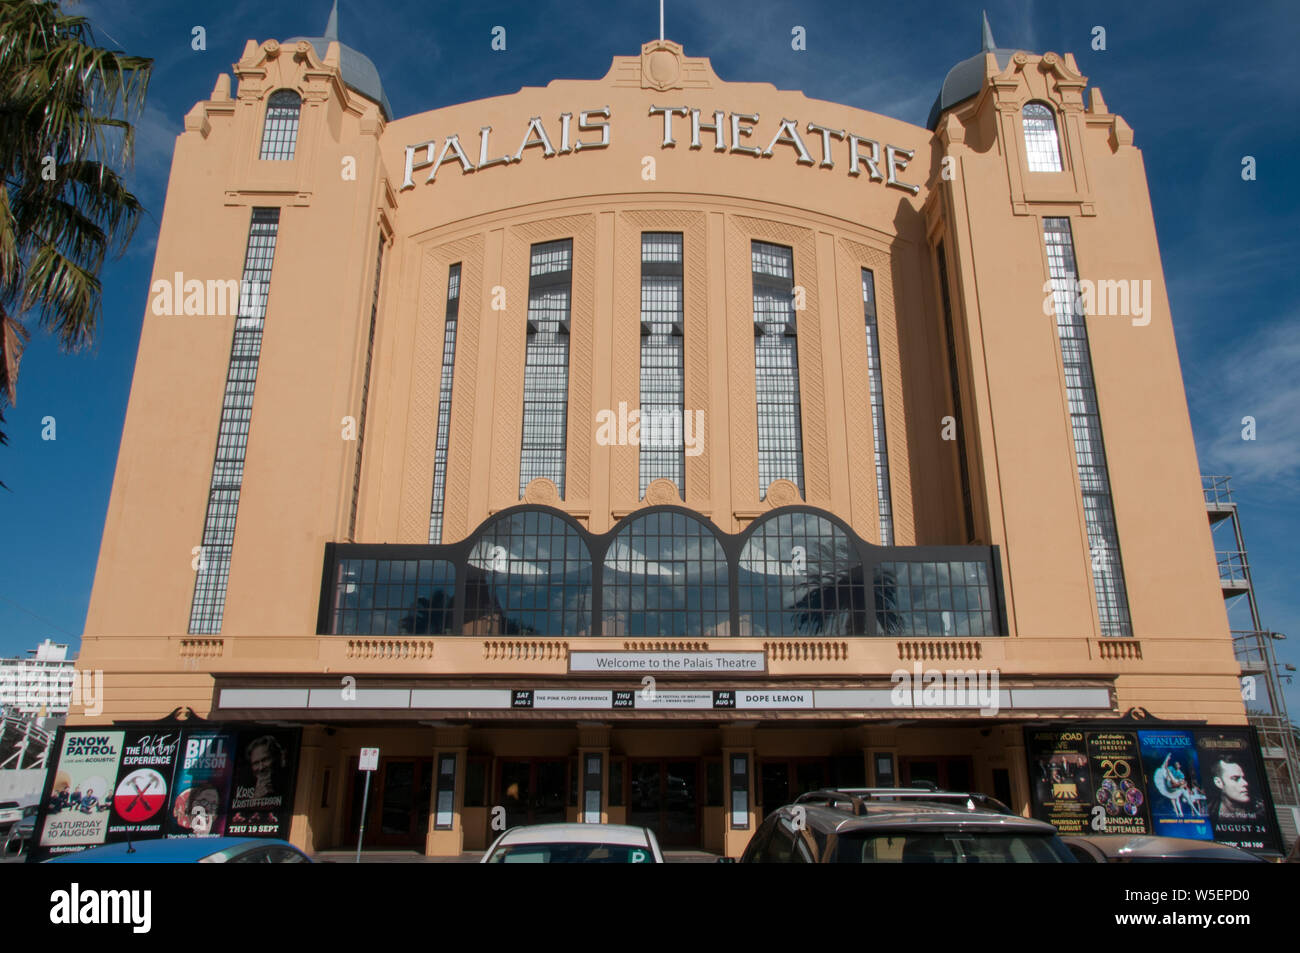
[
  {"x": 776, "y": 367},
  {"x": 1041, "y": 143},
  {"x": 885, "y": 504},
  {"x": 954, "y": 384},
  {"x": 1085, "y": 422},
  {"x": 280, "y": 131},
  {"x": 546, "y": 369},
  {"x": 209, "y": 603},
  {"x": 365, "y": 392},
  {"x": 444, "y": 404},
  {"x": 663, "y": 388}
]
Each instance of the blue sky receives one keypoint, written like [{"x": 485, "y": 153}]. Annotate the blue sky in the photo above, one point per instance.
[{"x": 1202, "y": 84}]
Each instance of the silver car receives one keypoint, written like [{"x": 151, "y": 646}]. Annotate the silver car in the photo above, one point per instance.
[
  {"x": 1151, "y": 849},
  {"x": 575, "y": 844}
]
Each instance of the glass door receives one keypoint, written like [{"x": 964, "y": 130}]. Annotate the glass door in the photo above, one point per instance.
[{"x": 533, "y": 791}]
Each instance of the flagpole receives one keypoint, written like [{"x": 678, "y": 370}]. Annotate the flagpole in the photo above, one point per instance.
[{"x": 661, "y": 21}]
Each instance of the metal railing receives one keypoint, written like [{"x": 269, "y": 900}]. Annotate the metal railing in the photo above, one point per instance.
[
  {"x": 1216, "y": 490},
  {"x": 1233, "y": 566}
]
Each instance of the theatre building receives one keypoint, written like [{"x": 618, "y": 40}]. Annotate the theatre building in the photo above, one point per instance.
[{"x": 653, "y": 448}]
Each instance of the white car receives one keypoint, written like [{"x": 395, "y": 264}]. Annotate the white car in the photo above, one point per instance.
[{"x": 575, "y": 844}]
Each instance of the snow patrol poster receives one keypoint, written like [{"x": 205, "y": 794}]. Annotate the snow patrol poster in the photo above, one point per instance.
[
  {"x": 1117, "y": 784},
  {"x": 1238, "y": 813},
  {"x": 78, "y": 790},
  {"x": 1179, "y": 806},
  {"x": 1058, "y": 764},
  {"x": 144, "y": 781},
  {"x": 261, "y": 802},
  {"x": 201, "y": 793}
]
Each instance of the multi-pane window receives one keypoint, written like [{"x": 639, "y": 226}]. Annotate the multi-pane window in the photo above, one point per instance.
[
  {"x": 393, "y": 597},
  {"x": 663, "y": 388},
  {"x": 954, "y": 386},
  {"x": 776, "y": 367},
  {"x": 365, "y": 393},
  {"x": 280, "y": 131},
  {"x": 1041, "y": 143},
  {"x": 799, "y": 574},
  {"x": 209, "y": 601},
  {"x": 546, "y": 369},
  {"x": 933, "y": 598},
  {"x": 665, "y": 575},
  {"x": 1085, "y": 421},
  {"x": 885, "y": 504},
  {"x": 444, "y": 405},
  {"x": 528, "y": 573}
]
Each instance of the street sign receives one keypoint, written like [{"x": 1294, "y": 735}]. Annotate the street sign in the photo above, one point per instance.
[{"x": 369, "y": 759}]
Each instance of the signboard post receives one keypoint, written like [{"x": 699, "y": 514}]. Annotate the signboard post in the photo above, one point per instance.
[{"x": 369, "y": 764}]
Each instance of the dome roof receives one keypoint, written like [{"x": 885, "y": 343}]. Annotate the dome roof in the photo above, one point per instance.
[
  {"x": 358, "y": 71},
  {"x": 966, "y": 79}
]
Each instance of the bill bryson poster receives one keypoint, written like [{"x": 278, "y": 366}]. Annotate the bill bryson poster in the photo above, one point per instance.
[
  {"x": 1191, "y": 781},
  {"x": 145, "y": 782}
]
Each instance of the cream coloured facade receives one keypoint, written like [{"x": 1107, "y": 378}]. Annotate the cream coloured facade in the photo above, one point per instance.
[{"x": 954, "y": 229}]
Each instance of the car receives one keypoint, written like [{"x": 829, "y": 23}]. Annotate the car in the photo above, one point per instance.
[
  {"x": 1153, "y": 849},
  {"x": 11, "y": 812},
  {"x": 190, "y": 850},
  {"x": 902, "y": 825},
  {"x": 575, "y": 844},
  {"x": 20, "y": 834}
]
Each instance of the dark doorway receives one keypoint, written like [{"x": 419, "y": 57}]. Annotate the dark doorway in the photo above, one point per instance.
[
  {"x": 664, "y": 796},
  {"x": 533, "y": 791},
  {"x": 782, "y": 780},
  {"x": 950, "y": 774},
  {"x": 398, "y": 811}
]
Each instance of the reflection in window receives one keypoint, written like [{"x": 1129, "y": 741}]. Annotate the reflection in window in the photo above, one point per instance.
[
  {"x": 529, "y": 573},
  {"x": 885, "y": 504},
  {"x": 546, "y": 368},
  {"x": 776, "y": 367},
  {"x": 933, "y": 598},
  {"x": 393, "y": 597},
  {"x": 800, "y": 575},
  {"x": 280, "y": 131},
  {"x": 663, "y": 388},
  {"x": 1041, "y": 144},
  {"x": 665, "y": 575}
]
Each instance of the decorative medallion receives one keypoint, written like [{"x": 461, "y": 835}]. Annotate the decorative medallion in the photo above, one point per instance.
[
  {"x": 541, "y": 492},
  {"x": 661, "y": 65},
  {"x": 782, "y": 493},
  {"x": 662, "y": 492}
]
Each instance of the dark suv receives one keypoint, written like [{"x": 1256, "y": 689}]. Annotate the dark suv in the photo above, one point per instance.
[{"x": 902, "y": 825}]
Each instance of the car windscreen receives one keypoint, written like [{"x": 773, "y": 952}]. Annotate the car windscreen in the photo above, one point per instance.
[
  {"x": 950, "y": 847},
  {"x": 571, "y": 854}
]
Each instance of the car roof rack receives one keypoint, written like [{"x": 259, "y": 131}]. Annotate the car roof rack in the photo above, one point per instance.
[{"x": 857, "y": 798}]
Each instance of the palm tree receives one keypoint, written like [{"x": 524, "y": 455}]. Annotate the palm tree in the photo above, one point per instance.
[{"x": 65, "y": 106}]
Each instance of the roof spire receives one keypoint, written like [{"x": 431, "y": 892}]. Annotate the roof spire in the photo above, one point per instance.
[
  {"x": 332, "y": 25},
  {"x": 988, "y": 32}
]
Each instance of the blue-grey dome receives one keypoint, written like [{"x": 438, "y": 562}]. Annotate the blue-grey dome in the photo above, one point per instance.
[
  {"x": 359, "y": 73},
  {"x": 966, "y": 79}
]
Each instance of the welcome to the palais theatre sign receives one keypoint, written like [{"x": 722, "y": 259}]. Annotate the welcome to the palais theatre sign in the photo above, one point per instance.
[{"x": 726, "y": 129}]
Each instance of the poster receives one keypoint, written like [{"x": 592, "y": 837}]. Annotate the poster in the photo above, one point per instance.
[
  {"x": 264, "y": 771},
  {"x": 1179, "y": 806},
  {"x": 1117, "y": 785},
  {"x": 144, "y": 780},
  {"x": 1058, "y": 764},
  {"x": 1238, "y": 814},
  {"x": 75, "y": 811},
  {"x": 201, "y": 794}
]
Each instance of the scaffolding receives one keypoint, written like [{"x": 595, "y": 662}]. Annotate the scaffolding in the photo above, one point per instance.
[{"x": 1254, "y": 649}]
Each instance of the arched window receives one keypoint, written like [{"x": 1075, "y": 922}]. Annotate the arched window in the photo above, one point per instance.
[
  {"x": 529, "y": 573},
  {"x": 665, "y": 575},
  {"x": 1041, "y": 144},
  {"x": 280, "y": 131},
  {"x": 799, "y": 574}
]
